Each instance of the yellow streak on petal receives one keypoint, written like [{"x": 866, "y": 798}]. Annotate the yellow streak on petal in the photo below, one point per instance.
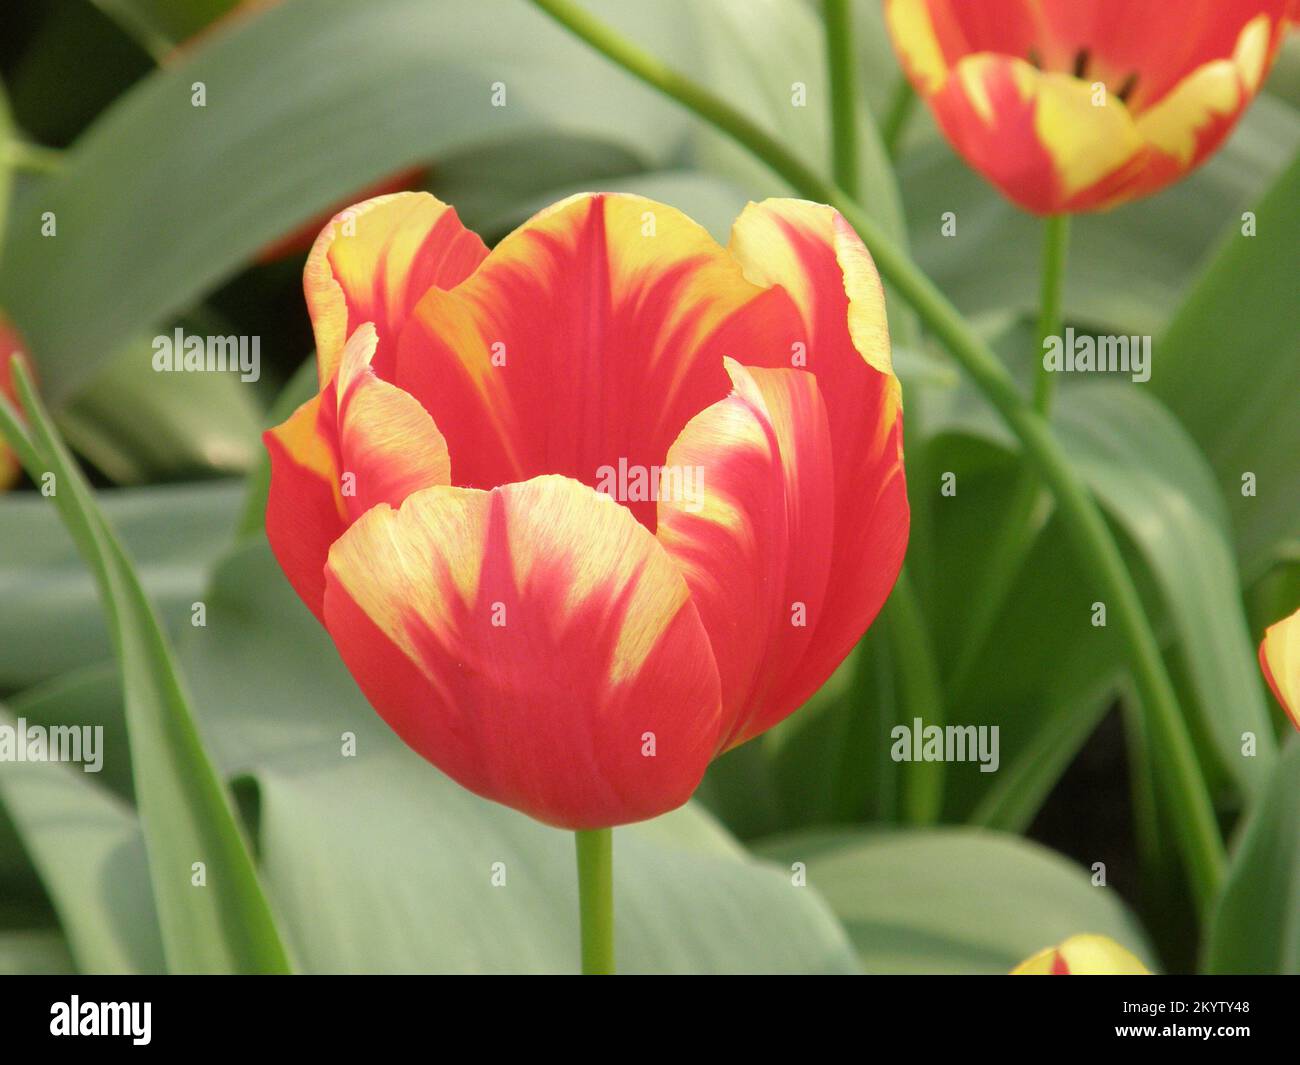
[
  {"x": 1087, "y": 142},
  {"x": 386, "y": 564},
  {"x": 614, "y": 557},
  {"x": 914, "y": 37},
  {"x": 305, "y": 446},
  {"x": 1039, "y": 964},
  {"x": 760, "y": 244},
  {"x": 1171, "y": 125},
  {"x": 1251, "y": 52},
  {"x": 1282, "y": 651},
  {"x": 1084, "y": 955},
  {"x": 1217, "y": 88}
]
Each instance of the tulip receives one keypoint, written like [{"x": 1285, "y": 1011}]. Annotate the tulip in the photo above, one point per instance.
[
  {"x": 1279, "y": 658},
  {"x": 1070, "y": 106},
  {"x": 1086, "y": 955},
  {"x": 588, "y": 510}
]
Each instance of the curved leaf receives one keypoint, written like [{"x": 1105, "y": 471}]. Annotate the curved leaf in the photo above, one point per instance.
[{"x": 954, "y": 900}]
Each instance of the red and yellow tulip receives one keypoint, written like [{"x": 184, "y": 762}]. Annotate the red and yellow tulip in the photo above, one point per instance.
[
  {"x": 1077, "y": 105},
  {"x": 1279, "y": 658},
  {"x": 443, "y": 504},
  {"x": 1086, "y": 955}
]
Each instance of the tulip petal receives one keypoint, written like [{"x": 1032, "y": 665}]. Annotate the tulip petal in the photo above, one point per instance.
[
  {"x": 305, "y": 511},
  {"x": 1084, "y": 955},
  {"x": 1279, "y": 658},
  {"x": 534, "y": 642},
  {"x": 1192, "y": 118},
  {"x": 1069, "y": 106},
  {"x": 753, "y": 539},
  {"x": 812, "y": 253},
  {"x": 387, "y": 441},
  {"x": 591, "y": 334},
  {"x": 373, "y": 262}
]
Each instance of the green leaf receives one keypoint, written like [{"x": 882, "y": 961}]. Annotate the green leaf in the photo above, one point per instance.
[
  {"x": 954, "y": 900},
  {"x": 136, "y": 424},
  {"x": 306, "y": 104},
  {"x": 159, "y": 25},
  {"x": 52, "y": 620},
  {"x": 1229, "y": 367},
  {"x": 225, "y": 924},
  {"x": 88, "y": 848},
  {"x": 1155, "y": 484},
  {"x": 756, "y": 53},
  {"x": 1256, "y": 926},
  {"x": 34, "y": 952},
  {"x": 380, "y": 863}
]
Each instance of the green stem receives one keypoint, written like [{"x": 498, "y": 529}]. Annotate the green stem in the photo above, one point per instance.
[
  {"x": 921, "y": 697},
  {"x": 844, "y": 94},
  {"x": 918, "y": 674},
  {"x": 901, "y": 102},
  {"x": 1056, "y": 242},
  {"x": 1199, "y": 840},
  {"x": 596, "y": 900},
  {"x": 1020, "y": 526}
]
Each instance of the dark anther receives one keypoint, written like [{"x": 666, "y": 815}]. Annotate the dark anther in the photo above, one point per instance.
[
  {"x": 1126, "y": 90},
  {"x": 1081, "y": 63},
  {"x": 1035, "y": 58}
]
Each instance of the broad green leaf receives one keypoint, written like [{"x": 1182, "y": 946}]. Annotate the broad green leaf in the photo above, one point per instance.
[
  {"x": 1256, "y": 926},
  {"x": 87, "y": 846},
  {"x": 1229, "y": 368},
  {"x": 1155, "y": 485},
  {"x": 34, "y": 952},
  {"x": 136, "y": 424},
  {"x": 380, "y": 863},
  {"x": 52, "y": 620},
  {"x": 159, "y": 25},
  {"x": 1152, "y": 480},
  {"x": 186, "y": 812},
  {"x": 305, "y": 103},
  {"x": 954, "y": 900},
  {"x": 90, "y": 696}
]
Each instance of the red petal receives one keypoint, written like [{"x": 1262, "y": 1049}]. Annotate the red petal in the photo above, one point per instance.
[{"x": 531, "y": 642}]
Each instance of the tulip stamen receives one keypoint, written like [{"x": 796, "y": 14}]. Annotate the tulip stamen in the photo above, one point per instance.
[
  {"x": 1035, "y": 59},
  {"x": 1081, "y": 58},
  {"x": 1126, "y": 90}
]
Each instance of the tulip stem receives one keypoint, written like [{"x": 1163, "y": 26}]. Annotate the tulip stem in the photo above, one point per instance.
[
  {"x": 1191, "y": 809},
  {"x": 921, "y": 696},
  {"x": 596, "y": 900},
  {"x": 843, "y": 65},
  {"x": 901, "y": 102},
  {"x": 1020, "y": 526},
  {"x": 1056, "y": 243}
]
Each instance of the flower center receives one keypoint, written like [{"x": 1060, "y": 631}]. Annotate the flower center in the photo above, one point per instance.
[{"x": 1080, "y": 67}]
